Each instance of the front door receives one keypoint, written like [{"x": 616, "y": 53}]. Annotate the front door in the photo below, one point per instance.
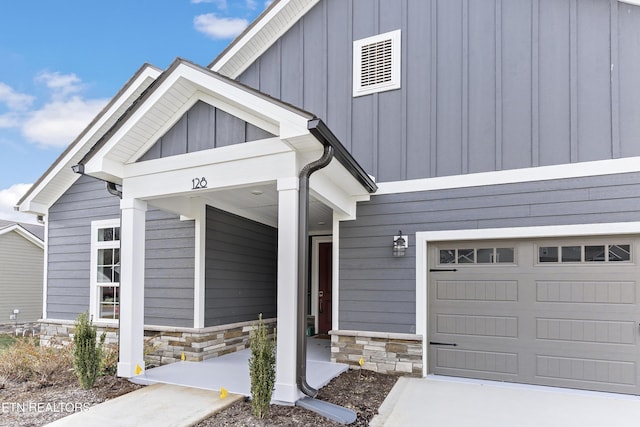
[{"x": 324, "y": 287}]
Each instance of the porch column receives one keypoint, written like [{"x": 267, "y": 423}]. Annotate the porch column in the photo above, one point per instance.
[
  {"x": 286, "y": 390},
  {"x": 132, "y": 245}
]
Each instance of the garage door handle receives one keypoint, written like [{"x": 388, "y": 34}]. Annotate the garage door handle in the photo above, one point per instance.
[
  {"x": 442, "y": 269},
  {"x": 443, "y": 343}
]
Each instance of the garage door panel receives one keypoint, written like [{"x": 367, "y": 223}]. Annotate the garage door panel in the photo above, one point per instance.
[
  {"x": 593, "y": 331},
  {"x": 568, "y": 324},
  {"x": 603, "y": 292}
]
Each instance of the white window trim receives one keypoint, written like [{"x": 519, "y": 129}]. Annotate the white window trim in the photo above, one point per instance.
[
  {"x": 93, "y": 281},
  {"x": 396, "y": 48},
  {"x": 424, "y": 238}
]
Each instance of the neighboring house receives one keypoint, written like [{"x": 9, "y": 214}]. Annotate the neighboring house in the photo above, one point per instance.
[
  {"x": 505, "y": 144},
  {"x": 21, "y": 265}
]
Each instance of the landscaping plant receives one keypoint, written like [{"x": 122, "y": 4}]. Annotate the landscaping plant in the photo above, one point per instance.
[
  {"x": 87, "y": 353},
  {"x": 262, "y": 368}
]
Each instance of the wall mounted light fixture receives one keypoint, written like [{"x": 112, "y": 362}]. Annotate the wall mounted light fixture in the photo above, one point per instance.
[{"x": 400, "y": 244}]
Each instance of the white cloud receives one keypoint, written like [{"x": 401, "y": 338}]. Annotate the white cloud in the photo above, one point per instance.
[
  {"x": 59, "y": 122},
  {"x": 251, "y": 4},
  {"x": 14, "y": 100},
  {"x": 220, "y": 4},
  {"x": 219, "y": 28},
  {"x": 8, "y": 199},
  {"x": 9, "y": 120},
  {"x": 61, "y": 85}
]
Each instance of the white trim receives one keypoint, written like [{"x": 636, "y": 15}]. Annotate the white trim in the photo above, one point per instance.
[
  {"x": 200, "y": 266},
  {"x": 335, "y": 267},
  {"x": 396, "y": 47},
  {"x": 633, "y": 2},
  {"x": 251, "y": 45},
  {"x": 542, "y": 173},
  {"x": 423, "y": 239},
  {"x": 45, "y": 267},
  {"x": 93, "y": 266},
  {"x": 315, "y": 275}
]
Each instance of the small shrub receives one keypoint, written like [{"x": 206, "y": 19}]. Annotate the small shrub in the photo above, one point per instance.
[
  {"x": 262, "y": 369},
  {"x": 87, "y": 353}
]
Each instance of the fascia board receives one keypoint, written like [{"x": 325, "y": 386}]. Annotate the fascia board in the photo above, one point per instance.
[
  {"x": 260, "y": 36},
  {"x": 75, "y": 151}
]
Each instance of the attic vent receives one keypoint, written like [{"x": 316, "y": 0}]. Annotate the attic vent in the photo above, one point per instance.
[{"x": 376, "y": 63}]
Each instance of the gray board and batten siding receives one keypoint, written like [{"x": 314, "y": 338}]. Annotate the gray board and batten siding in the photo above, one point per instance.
[
  {"x": 377, "y": 291},
  {"x": 486, "y": 84},
  {"x": 201, "y": 128},
  {"x": 241, "y": 269},
  {"x": 169, "y": 261}
]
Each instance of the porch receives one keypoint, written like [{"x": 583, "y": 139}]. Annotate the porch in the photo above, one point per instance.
[{"x": 231, "y": 371}]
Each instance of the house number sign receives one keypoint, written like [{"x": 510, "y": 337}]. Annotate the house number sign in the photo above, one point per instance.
[{"x": 198, "y": 183}]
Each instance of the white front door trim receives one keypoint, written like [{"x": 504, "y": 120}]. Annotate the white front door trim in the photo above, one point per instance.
[{"x": 424, "y": 238}]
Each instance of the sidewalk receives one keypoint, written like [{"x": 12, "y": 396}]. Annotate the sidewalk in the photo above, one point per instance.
[{"x": 155, "y": 405}]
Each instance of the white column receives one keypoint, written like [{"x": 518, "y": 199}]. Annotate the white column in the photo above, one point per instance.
[
  {"x": 199, "y": 265},
  {"x": 286, "y": 390},
  {"x": 132, "y": 243}
]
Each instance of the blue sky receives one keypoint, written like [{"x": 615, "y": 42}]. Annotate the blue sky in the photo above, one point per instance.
[{"x": 62, "y": 60}]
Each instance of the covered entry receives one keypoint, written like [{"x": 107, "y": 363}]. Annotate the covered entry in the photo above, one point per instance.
[{"x": 554, "y": 311}]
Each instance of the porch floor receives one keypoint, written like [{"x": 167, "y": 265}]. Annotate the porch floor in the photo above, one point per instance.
[{"x": 231, "y": 371}]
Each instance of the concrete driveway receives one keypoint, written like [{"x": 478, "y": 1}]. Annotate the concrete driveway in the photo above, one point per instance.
[{"x": 443, "y": 401}]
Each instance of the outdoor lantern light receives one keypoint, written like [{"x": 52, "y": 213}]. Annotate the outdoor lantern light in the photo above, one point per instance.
[{"x": 400, "y": 244}]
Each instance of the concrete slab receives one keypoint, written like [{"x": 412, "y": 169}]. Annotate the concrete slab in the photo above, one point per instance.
[
  {"x": 159, "y": 404},
  {"x": 470, "y": 403}
]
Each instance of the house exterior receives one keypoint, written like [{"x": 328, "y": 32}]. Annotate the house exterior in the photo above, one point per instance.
[
  {"x": 497, "y": 140},
  {"x": 21, "y": 265}
]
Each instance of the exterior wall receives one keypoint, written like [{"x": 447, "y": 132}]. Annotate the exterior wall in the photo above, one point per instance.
[
  {"x": 201, "y": 128},
  {"x": 169, "y": 260},
  {"x": 166, "y": 345},
  {"x": 486, "y": 84},
  {"x": 377, "y": 291},
  {"x": 241, "y": 269},
  {"x": 21, "y": 265}
]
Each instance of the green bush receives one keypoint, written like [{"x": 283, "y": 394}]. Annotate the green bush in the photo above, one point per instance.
[
  {"x": 262, "y": 369},
  {"x": 87, "y": 353}
]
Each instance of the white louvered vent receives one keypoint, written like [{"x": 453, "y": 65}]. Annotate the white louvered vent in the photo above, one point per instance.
[{"x": 376, "y": 63}]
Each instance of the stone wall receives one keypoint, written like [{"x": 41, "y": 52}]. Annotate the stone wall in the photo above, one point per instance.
[
  {"x": 164, "y": 345},
  {"x": 382, "y": 352}
]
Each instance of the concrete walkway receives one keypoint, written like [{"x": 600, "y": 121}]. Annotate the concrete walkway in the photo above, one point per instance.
[
  {"x": 440, "y": 401},
  {"x": 155, "y": 405}
]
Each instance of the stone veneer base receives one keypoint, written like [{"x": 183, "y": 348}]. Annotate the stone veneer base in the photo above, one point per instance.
[
  {"x": 164, "y": 345},
  {"x": 387, "y": 353}
]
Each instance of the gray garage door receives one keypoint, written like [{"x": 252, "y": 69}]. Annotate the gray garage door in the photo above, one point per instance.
[{"x": 558, "y": 312}]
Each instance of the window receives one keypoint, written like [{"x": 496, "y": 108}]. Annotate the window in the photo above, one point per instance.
[
  {"x": 105, "y": 270},
  {"x": 376, "y": 63},
  {"x": 584, "y": 254},
  {"x": 477, "y": 256}
]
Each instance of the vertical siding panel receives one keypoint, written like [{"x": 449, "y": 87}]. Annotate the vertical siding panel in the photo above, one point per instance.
[
  {"x": 629, "y": 70},
  {"x": 339, "y": 69},
  {"x": 200, "y": 127},
  {"x": 404, "y": 106},
  {"x": 270, "y": 71},
  {"x": 251, "y": 77},
  {"x": 433, "y": 108},
  {"x": 594, "y": 80},
  {"x": 615, "y": 80},
  {"x": 174, "y": 142},
  {"x": 553, "y": 89},
  {"x": 417, "y": 75},
  {"x": 573, "y": 77},
  {"x": 535, "y": 83},
  {"x": 498, "y": 95},
  {"x": 464, "y": 113},
  {"x": 229, "y": 129},
  {"x": 314, "y": 53},
  {"x": 390, "y": 117},
  {"x": 516, "y": 83},
  {"x": 482, "y": 86},
  {"x": 449, "y": 103},
  {"x": 363, "y": 118},
  {"x": 290, "y": 76}
]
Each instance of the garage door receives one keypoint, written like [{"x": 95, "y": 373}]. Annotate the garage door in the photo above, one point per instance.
[{"x": 561, "y": 312}]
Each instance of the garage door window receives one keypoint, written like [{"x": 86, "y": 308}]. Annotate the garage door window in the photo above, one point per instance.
[
  {"x": 584, "y": 254},
  {"x": 477, "y": 256}
]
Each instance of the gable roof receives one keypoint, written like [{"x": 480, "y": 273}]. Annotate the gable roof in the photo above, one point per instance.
[
  {"x": 59, "y": 176},
  {"x": 32, "y": 232}
]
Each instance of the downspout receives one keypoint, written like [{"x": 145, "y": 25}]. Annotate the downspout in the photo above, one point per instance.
[{"x": 303, "y": 267}]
